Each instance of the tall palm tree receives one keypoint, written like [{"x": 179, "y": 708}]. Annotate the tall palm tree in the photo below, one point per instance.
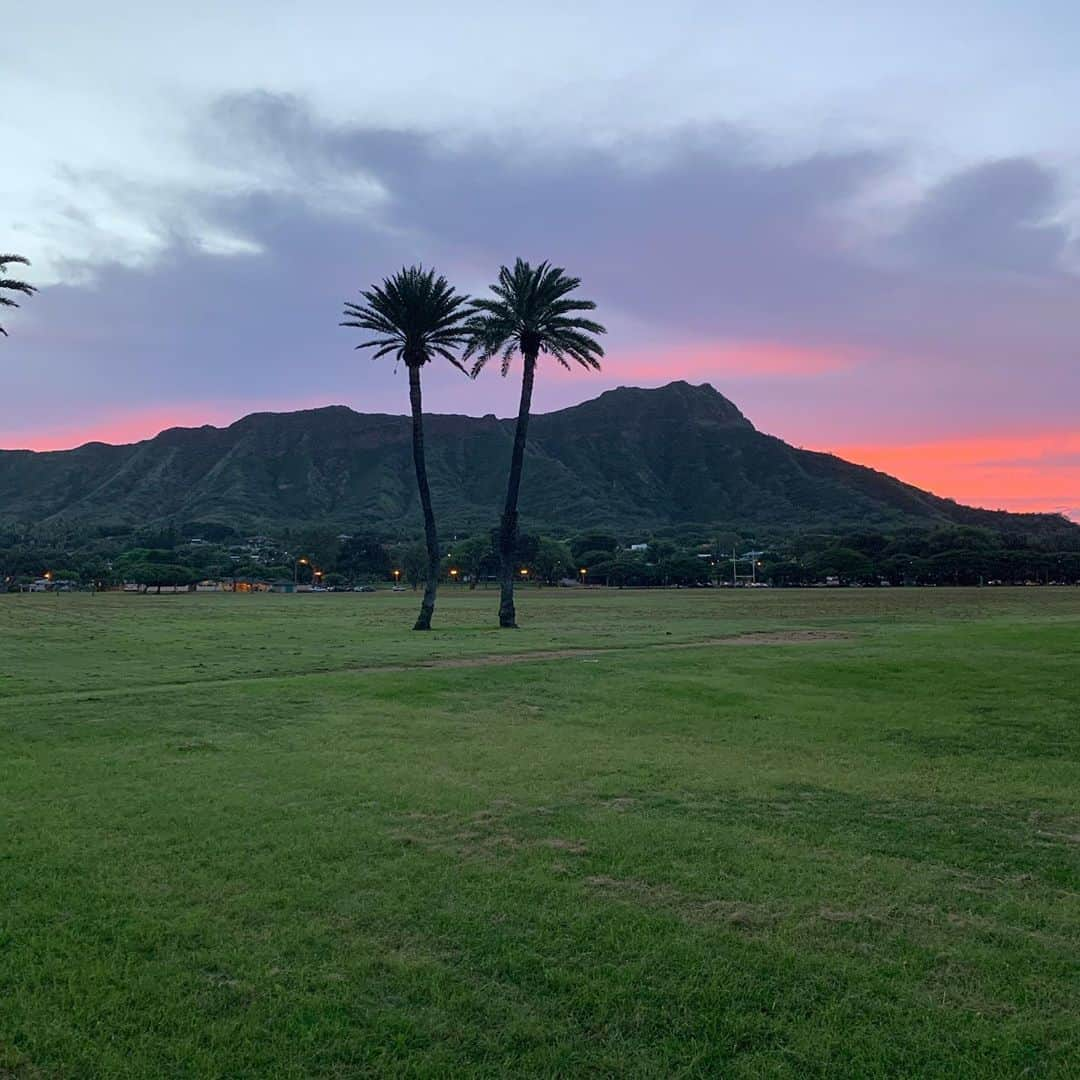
[
  {"x": 531, "y": 313},
  {"x": 415, "y": 316},
  {"x": 11, "y": 285}
]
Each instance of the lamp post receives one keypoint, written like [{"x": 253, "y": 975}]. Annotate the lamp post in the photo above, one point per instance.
[
  {"x": 453, "y": 574},
  {"x": 397, "y": 577},
  {"x": 297, "y": 563},
  {"x": 583, "y": 571},
  {"x": 524, "y": 574}
]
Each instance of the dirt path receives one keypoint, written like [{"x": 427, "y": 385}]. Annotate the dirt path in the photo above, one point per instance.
[{"x": 762, "y": 637}]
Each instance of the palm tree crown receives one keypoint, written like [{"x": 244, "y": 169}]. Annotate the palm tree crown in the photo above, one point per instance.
[
  {"x": 532, "y": 314},
  {"x": 11, "y": 285},
  {"x": 415, "y": 315}
]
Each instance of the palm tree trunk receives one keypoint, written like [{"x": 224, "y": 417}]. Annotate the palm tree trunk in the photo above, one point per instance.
[
  {"x": 508, "y": 528},
  {"x": 427, "y": 606}
]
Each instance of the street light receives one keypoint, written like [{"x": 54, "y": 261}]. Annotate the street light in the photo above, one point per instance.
[
  {"x": 453, "y": 574},
  {"x": 583, "y": 571},
  {"x": 524, "y": 574},
  {"x": 397, "y": 576},
  {"x": 297, "y": 563}
]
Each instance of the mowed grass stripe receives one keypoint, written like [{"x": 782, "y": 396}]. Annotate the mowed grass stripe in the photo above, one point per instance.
[{"x": 752, "y": 638}]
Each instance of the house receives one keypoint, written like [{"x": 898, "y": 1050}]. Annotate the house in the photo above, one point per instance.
[{"x": 250, "y": 585}]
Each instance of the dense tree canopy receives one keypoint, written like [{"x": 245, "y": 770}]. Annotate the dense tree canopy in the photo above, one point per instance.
[{"x": 940, "y": 556}]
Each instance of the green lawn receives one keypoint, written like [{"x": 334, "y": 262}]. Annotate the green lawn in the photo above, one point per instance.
[{"x": 248, "y": 836}]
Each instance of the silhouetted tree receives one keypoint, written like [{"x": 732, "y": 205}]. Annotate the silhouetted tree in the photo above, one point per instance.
[
  {"x": 531, "y": 313},
  {"x": 363, "y": 555},
  {"x": 471, "y": 555},
  {"x": 845, "y": 563},
  {"x": 11, "y": 284},
  {"x": 592, "y": 542},
  {"x": 416, "y": 317},
  {"x": 414, "y": 560},
  {"x": 553, "y": 561}
]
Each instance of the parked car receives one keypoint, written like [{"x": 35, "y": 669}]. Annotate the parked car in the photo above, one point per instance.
[
  {"x": 364, "y": 588},
  {"x": 398, "y": 588}
]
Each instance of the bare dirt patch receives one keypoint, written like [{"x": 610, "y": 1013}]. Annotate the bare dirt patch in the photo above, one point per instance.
[
  {"x": 620, "y": 803},
  {"x": 486, "y": 833},
  {"x": 572, "y": 847},
  {"x": 776, "y": 637},
  {"x": 736, "y": 913}
]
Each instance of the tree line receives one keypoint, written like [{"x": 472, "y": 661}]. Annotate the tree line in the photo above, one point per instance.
[{"x": 692, "y": 555}]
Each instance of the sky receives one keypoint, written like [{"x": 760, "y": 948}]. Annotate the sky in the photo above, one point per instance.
[{"x": 860, "y": 222}]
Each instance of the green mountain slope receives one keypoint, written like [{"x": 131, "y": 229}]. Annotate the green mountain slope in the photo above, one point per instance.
[{"x": 630, "y": 460}]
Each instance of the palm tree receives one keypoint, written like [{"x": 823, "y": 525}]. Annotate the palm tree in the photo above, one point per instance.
[
  {"x": 530, "y": 314},
  {"x": 416, "y": 317},
  {"x": 12, "y": 285}
]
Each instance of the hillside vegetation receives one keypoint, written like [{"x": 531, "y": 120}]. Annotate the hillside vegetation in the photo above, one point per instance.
[{"x": 631, "y": 459}]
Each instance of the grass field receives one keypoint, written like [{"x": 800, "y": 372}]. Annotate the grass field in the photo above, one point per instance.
[{"x": 756, "y": 834}]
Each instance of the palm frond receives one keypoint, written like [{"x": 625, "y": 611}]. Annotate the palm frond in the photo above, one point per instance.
[
  {"x": 530, "y": 312},
  {"x": 415, "y": 314},
  {"x": 16, "y": 286},
  {"x": 12, "y": 284}
]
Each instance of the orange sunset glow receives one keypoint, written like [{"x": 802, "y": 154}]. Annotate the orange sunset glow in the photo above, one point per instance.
[
  {"x": 1038, "y": 472},
  {"x": 118, "y": 427}
]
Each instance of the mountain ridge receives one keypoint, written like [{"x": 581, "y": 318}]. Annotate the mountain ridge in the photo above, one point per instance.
[{"x": 630, "y": 459}]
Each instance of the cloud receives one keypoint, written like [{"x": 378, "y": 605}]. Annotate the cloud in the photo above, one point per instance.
[{"x": 995, "y": 218}]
